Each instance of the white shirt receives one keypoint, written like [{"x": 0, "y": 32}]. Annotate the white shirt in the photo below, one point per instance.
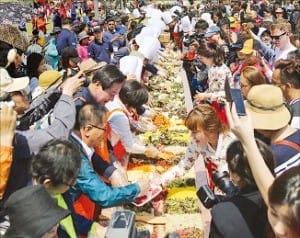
[
  {"x": 282, "y": 54},
  {"x": 88, "y": 150}
]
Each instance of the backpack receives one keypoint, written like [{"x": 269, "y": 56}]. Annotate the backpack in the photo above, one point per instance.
[{"x": 291, "y": 162}]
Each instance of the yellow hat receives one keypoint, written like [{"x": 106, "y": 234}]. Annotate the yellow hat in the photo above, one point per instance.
[
  {"x": 49, "y": 77},
  {"x": 247, "y": 47},
  {"x": 233, "y": 23}
]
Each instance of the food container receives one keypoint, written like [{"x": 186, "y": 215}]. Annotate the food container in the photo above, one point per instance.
[
  {"x": 152, "y": 193},
  {"x": 165, "y": 37}
]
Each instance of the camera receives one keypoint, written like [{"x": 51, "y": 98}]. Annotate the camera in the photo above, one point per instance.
[
  {"x": 221, "y": 179},
  {"x": 85, "y": 83},
  {"x": 223, "y": 182},
  {"x": 199, "y": 37},
  {"x": 122, "y": 225}
]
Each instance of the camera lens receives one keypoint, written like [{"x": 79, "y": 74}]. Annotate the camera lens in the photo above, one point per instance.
[
  {"x": 223, "y": 182},
  {"x": 86, "y": 82}
]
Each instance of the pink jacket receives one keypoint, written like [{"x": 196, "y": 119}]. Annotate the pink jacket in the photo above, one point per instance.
[{"x": 83, "y": 52}]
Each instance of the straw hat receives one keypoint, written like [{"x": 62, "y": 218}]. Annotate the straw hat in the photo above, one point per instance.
[
  {"x": 91, "y": 65},
  {"x": 266, "y": 105}
]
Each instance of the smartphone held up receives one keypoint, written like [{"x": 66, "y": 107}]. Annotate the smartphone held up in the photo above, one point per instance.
[{"x": 235, "y": 95}]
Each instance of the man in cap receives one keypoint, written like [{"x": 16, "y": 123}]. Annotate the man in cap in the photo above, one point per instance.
[
  {"x": 63, "y": 163},
  {"x": 98, "y": 49},
  {"x": 122, "y": 25},
  {"x": 270, "y": 117},
  {"x": 213, "y": 33},
  {"x": 33, "y": 213}
]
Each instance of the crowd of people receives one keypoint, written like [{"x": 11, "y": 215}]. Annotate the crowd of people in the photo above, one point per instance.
[{"x": 71, "y": 98}]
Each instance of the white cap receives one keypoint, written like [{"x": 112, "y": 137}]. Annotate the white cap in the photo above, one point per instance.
[{"x": 131, "y": 64}]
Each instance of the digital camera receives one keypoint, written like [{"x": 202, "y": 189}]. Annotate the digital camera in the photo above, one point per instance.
[
  {"x": 122, "y": 225},
  {"x": 222, "y": 181}
]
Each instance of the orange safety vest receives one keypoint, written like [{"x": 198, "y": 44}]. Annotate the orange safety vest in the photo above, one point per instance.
[{"x": 84, "y": 206}]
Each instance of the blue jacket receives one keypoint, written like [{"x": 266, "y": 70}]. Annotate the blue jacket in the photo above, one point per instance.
[
  {"x": 89, "y": 183},
  {"x": 99, "y": 51},
  {"x": 65, "y": 38}
]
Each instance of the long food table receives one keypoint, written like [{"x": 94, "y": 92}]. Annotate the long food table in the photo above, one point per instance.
[{"x": 177, "y": 207}]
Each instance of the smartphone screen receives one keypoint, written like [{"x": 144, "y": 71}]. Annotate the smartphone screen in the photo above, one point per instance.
[{"x": 237, "y": 98}]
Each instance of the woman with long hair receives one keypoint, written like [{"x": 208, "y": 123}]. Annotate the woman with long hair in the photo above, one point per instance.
[
  {"x": 122, "y": 116},
  {"x": 35, "y": 66},
  {"x": 244, "y": 212},
  {"x": 210, "y": 139},
  {"x": 213, "y": 56}
]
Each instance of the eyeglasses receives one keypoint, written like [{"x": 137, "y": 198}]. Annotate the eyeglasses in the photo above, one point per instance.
[
  {"x": 100, "y": 128},
  {"x": 243, "y": 85},
  {"x": 278, "y": 37}
]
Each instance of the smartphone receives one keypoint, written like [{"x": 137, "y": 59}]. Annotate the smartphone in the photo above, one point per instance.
[
  {"x": 235, "y": 95},
  {"x": 238, "y": 100}
]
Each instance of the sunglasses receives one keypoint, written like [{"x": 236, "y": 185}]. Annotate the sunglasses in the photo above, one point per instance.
[
  {"x": 278, "y": 37},
  {"x": 100, "y": 128}
]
